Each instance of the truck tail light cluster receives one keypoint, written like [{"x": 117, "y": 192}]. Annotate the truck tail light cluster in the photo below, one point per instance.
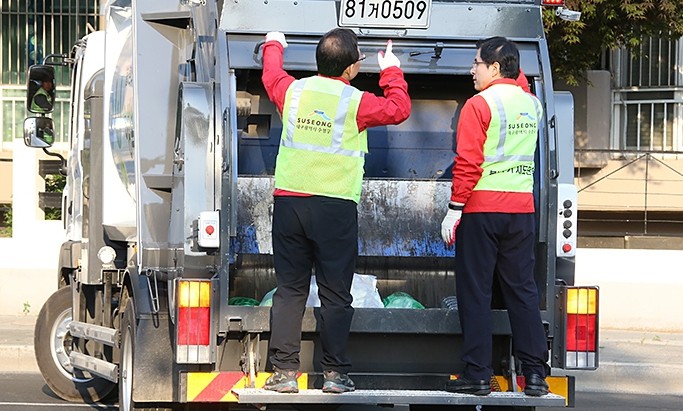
[
  {"x": 193, "y": 321},
  {"x": 581, "y": 321}
]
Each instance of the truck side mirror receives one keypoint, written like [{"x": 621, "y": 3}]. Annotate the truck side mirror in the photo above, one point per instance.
[
  {"x": 40, "y": 91},
  {"x": 39, "y": 132}
]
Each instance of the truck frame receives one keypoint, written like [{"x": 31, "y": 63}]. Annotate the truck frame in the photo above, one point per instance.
[{"x": 168, "y": 204}]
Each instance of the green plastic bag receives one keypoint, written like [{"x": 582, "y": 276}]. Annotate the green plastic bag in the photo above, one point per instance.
[
  {"x": 243, "y": 301},
  {"x": 268, "y": 298},
  {"x": 400, "y": 299}
]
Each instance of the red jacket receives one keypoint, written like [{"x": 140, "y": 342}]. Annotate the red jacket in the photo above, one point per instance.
[
  {"x": 473, "y": 123},
  {"x": 393, "y": 108}
]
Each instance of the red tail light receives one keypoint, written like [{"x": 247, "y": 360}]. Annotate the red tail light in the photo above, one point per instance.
[
  {"x": 194, "y": 325},
  {"x": 581, "y": 328},
  {"x": 552, "y": 3},
  {"x": 581, "y": 332},
  {"x": 193, "y": 321}
]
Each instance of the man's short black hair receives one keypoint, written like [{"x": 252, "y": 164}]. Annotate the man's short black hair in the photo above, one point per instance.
[
  {"x": 337, "y": 50},
  {"x": 503, "y": 51}
]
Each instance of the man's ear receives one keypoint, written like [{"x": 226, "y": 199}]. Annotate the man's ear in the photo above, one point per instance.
[
  {"x": 347, "y": 71},
  {"x": 496, "y": 65}
]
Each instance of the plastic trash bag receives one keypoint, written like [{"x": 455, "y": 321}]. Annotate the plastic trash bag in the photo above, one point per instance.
[
  {"x": 246, "y": 301},
  {"x": 400, "y": 299},
  {"x": 450, "y": 303},
  {"x": 363, "y": 290},
  {"x": 267, "y": 300}
]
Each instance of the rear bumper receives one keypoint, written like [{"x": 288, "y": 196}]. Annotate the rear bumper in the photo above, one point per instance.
[{"x": 234, "y": 387}]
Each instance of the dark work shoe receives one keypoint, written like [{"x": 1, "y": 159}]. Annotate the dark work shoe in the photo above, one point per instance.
[
  {"x": 337, "y": 383},
  {"x": 535, "y": 386},
  {"x": 467, "y": 386},
  {"x": 283, "y": 381}
]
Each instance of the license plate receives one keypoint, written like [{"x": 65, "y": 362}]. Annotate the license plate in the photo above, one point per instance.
[{"x": 399, "y": 14}]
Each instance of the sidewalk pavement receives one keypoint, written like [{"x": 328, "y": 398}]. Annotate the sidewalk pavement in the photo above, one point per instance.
[
  {"x": 637, "y": 362},
  {"x": 16, "y": 343}
]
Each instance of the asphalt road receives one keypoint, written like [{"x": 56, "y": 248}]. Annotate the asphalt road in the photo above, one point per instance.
[{"x": 28, "y": 392}]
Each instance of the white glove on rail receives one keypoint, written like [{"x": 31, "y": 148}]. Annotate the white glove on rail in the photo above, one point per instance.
[
  {"x": 450, "y": 222},
  {"x": 277, "y": 36},
  {"x": 388, "y": 59}
]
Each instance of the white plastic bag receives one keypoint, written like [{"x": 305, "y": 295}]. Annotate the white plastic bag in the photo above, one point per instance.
[{"x": 363, "y": 290}]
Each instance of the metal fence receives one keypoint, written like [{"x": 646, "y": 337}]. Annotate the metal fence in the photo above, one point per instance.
[
  {"x": 648, "y": 119},
  {"x": 647, "y": 96},
  {"x": 637, "y": 193},
  {"x": 32, "y": 29}
]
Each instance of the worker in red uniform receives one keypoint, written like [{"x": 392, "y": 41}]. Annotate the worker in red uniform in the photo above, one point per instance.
[
  {"x": 492, "y": 208},
  {"x": 318, "y": 177}
]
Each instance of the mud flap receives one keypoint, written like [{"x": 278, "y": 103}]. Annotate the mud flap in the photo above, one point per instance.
[{"x": 154, "y": 361}]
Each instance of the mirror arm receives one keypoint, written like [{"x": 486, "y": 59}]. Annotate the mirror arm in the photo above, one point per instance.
[
  {"x": 62, "y": 169},
  {"x": 64, "y": 60}
]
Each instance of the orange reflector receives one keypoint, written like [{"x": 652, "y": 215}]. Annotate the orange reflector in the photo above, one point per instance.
[
  {"x": 582, "y": 300},
  {"x": 194, "y": 294}
]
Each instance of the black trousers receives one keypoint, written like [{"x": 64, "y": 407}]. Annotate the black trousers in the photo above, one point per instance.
[
  {"x": 308, "y": 232},
  {"x": 496, "y": 243}
]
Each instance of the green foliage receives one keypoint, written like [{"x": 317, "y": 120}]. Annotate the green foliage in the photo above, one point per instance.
[
  {"x": 53, "y": 213},
  {"x": 6, "y": 222},
  {"x": 27, "y": 308},
  {"x": 54, "y": 184},
  {"x": 606, "y": 24}
]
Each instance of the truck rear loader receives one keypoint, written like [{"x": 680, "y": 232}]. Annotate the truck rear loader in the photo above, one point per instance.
[{"x": 168, "y": 204}]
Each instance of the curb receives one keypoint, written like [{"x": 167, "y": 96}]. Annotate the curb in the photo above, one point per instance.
[
  {"x": 630, "y": 378},
  {"x": 18, "y": 358}
]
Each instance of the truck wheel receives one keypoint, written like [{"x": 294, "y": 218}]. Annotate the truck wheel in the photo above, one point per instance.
[
  {"x": 52, "y": 345},
  {"x": 128, "y": 326}
]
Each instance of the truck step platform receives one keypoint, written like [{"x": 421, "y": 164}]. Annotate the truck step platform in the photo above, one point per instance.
[{"x": 390, "y": 397}]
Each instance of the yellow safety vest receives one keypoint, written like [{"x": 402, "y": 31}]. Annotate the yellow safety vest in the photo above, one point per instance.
[
  {"x": 510, "y": 139},
  {"x": 322, "y": 152},
  {"x": 35, "y": 107}
]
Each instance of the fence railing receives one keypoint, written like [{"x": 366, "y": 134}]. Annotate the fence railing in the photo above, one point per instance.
[{"x": 630, "y": 192}]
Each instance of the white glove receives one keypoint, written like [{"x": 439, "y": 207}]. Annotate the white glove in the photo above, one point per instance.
[
  {"x": 387, "y": 59},
  {"x": 277, "y": 36},
  {"x": 450, "y": 223}
]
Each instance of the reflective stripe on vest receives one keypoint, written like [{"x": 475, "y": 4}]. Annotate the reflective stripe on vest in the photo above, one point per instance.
[
  {"x": 36, "y": 107},
  {"x": 510, "y": 139},
  {"x": 321, "y": 150}
]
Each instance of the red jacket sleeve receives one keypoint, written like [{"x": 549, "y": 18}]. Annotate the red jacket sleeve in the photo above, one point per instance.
[
  {"x": 393, "y": 108},
  {"x": 275, "y": 79},
  {"x": 473, "y": 122}
]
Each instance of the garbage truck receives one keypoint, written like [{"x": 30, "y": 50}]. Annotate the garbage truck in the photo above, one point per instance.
[{"x": 166, "y": 265}]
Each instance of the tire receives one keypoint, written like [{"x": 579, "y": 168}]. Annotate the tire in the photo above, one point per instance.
[
  {"x": 126, "y": 364},
  {"x": 52, "y": 345}
]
